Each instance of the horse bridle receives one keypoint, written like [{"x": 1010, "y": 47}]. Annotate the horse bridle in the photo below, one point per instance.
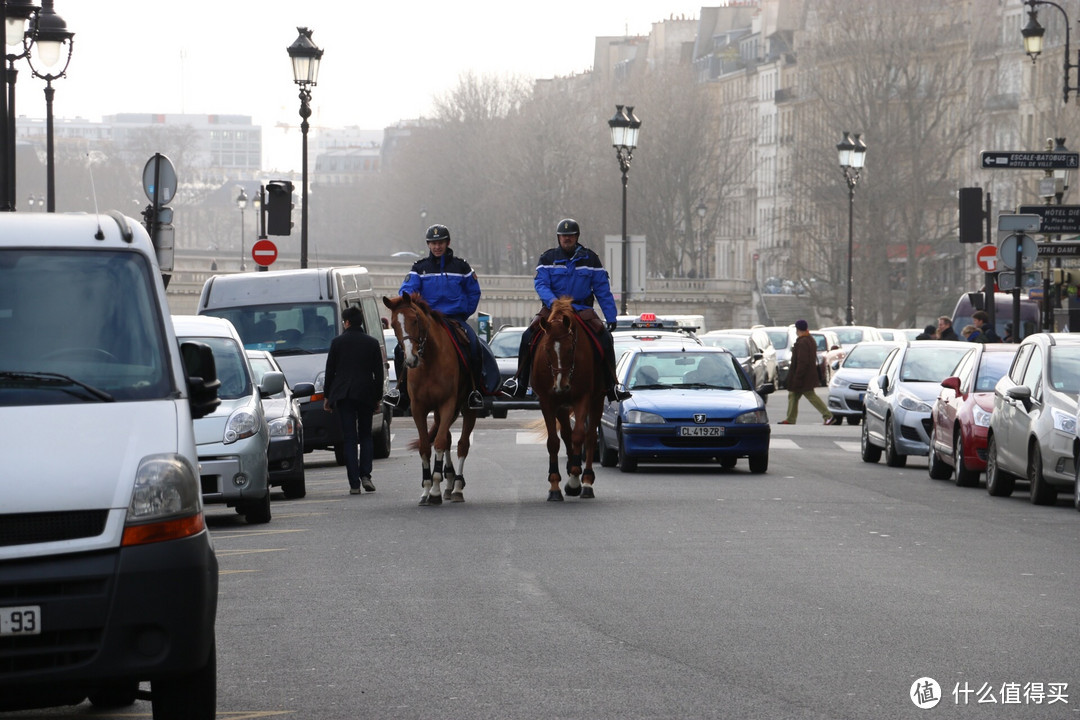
[
  {"x": 421, "y": 338},
  {"x": 573, "y": 350}
]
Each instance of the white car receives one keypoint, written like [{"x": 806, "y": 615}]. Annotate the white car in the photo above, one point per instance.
[{"x": 232, "y": 441}]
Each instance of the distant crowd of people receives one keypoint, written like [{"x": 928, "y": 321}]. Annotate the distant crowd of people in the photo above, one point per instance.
[{"x": 980, "y": 330}]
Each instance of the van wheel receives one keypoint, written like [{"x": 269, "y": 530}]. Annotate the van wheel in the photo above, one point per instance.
[
  {"x": 115, "y": 695},
  {"x": 187, "y": 697},
  {"x": 257, "y": 512},
  {"x": 382, "y": 439}
]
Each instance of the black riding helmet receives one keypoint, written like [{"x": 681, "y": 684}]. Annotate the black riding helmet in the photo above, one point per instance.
[
  {"x": 438, "y": 233},
  {"x": 568, "y": 226}
]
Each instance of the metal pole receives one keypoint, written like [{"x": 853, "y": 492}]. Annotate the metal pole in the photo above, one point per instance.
[
  {"x": 850, "y": 248},
  {"x": 50, "y": 156},
  {"x": 242, "y": 268},
  {"x": 625, "y": 248},
  {"x": 6, "y": 154},
  {"x": 9, "y": 140},
  {"x": 305, "y": 113}
]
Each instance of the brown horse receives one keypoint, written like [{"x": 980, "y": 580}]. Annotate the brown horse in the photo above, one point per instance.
[
  {"x": 568, "y": 379},
  {"x": 439, "y": 384}
]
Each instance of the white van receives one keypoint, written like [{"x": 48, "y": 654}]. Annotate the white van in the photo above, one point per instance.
[
  {"x": 295, "y": 314},
  {"x": 107, "y": 575}
]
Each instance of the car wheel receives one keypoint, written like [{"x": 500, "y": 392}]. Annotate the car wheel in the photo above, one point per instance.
[
  {"x": 727, "y": 462},
  {"x": 115, "y": 695},
  {"x": 626, "y": 463},
  {"x": 608, "y": 457},
  {"x": 498, "y": 413},
  {"x": 964, "y": 477},
  {"x": 1076, "y": 484},
  {"x": 759, "y": 463},
  {"x": 187, "y": 697},
  {"x": 998, "y": 482},
  {"x": 1042, "y": 492},
  {"x": 257, "y": 512},
  {"x": 381, "y": 443},
  {"x": 892, "y": 457},
  {"x": 870, "y": 453},
  {"x": 853, "y": 420},
  {"x": 296, "y": 487},
  {"x": 937, "y": 468}
]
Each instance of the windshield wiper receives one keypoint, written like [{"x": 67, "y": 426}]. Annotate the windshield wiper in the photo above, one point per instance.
[
  {"x": 291, "y": 351},
  {"x": 704, "y": 385},
  {"x": 48, "y": 378}
]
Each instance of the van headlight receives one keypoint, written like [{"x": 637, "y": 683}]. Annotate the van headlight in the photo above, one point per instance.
[
  {"x": 242, "y": 423},
  {"x": 165, "y": 486},
  {"x": 282, "y": 427}
]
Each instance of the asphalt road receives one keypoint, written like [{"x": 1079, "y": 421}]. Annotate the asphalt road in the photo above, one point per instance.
[{"x": 823, "y": 589}]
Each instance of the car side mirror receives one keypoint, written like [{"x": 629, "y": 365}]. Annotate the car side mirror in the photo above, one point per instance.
[
  {"x": 1021, "y": 393},
  {"x": 767, "y": 389},
  {"x": 882, "y": 381},
  {"x": 304, "y": 389},
  {"x": 951, "y": 383},
  {"x": 202, "y": 380},
  {"x": 272, "y": 383}
]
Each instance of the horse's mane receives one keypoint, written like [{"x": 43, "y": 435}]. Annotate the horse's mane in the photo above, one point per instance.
[
  {"x": 431, "y": 312},
  {"x": 560, "y": 308}
]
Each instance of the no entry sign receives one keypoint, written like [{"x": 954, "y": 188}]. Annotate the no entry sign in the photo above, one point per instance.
[{"x": 264, "y": 252}]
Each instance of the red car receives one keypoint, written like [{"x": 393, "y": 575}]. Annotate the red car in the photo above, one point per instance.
[{"x": 961, "y": 414}]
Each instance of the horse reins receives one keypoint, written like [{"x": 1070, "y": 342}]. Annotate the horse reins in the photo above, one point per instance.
[{"x": 420, "y": 340}]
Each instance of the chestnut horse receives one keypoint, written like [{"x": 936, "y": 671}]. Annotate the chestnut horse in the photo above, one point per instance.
[
  {"x": 568, "y": 379},
  {"x": 438, "y": 383}
]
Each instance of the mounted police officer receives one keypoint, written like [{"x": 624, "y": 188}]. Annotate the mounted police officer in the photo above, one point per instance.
[
  {"x": 573, "y": 270},
  {"x": 449, "y": 285}
]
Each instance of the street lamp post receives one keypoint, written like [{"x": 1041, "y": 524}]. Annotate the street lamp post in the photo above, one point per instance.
[
  {"x": 701, "y": 211},
  {"x": 14, "y": 15},
  {"x": 241, "y": 202},
  {"x": 852, "y": 158},
  {"x": 49, "y": 35},
  {"x": 305, "y": 57},
  {"x": 1033, "y": 41},
  {"x": 624, "y": 132}
]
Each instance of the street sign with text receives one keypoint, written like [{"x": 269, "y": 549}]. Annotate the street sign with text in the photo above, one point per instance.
[
  {"x": 1009, "y": 160},
  {"x": 1056, "y": 219},
  {"x": 1059, "y": 249}
]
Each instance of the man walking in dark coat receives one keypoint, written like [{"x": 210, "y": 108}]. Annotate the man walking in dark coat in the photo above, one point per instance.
[
  {"x": 353, "y": 389},
  {"x": 803, "y": 376}
]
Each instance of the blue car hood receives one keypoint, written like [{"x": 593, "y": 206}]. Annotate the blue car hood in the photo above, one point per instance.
[{"x": 683, "y": 403}]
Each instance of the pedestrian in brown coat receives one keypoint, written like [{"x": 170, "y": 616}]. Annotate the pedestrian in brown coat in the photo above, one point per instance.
[{"x": 802, "y": 376}]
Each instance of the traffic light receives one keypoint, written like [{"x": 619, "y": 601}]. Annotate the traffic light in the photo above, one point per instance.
[
  {"x": 279, "y": 207},
  {"x": 971, "y": 215}
]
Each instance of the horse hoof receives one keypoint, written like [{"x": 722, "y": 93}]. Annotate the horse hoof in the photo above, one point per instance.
[
  {"x": 554, "y": 496},
  {"x": 587, "y": 492},
  {"x": 572, "y": 491},
  {"x": 434, "y": 499},
  {"x": 424, "y": 501},
  {"x": 448, "y": 494},
  {"x": 457, "y": 497}
]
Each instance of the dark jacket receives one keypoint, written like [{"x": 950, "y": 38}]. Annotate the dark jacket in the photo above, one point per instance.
[
  {"x": 580, "y": 276},
  {"x": 948, "y": 334},
  {"x": 354, "y": 369},
  {"x": 803, "y": 371},
  {"x": 448, "y": 284}
]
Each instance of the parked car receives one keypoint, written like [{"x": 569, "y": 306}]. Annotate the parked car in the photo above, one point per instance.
[
  {"x": 504, "y": 346},
  {"x": 851, "y": 334},
  {"x": 782, "y": 338},
  {"x": 748, "y": 354},
  {"x": 961, "y": 413},
  {"x": 761, "y": 338},
  {"x": 1033, "y": 425},
  {"x": 232, "y": 441},
  {"x": 829, "y": 350},
  {"x": 688, "y": 405},
  {"x": 285, "y": 455},
  {"x": 850, "y": 377},
  {"x": 896, "y": 409}
]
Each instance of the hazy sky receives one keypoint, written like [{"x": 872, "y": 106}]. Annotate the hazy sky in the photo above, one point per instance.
[{"x": 382, "y": 62}]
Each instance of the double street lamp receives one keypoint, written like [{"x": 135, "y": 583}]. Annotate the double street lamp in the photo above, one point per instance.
[
  {"x": 1033, "y": 41},
  {"x": 305, "y": 57},
  {"x": 14, "y": 15},
  {"x": 852, "y": 151},
  {"x": 624, "y": 133}
]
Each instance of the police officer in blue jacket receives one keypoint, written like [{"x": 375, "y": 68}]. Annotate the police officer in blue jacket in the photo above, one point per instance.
[
  {"x": 449, "y": 285},
  {"x": 573, "y": 270}
]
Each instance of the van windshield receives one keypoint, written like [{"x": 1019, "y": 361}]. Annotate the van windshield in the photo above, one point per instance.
[
  {"x": 80, "y": 326},
  {"x": 284, "y": 329}
]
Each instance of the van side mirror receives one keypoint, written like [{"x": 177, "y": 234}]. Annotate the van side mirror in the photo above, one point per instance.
[{"x": 202, "y": 379}]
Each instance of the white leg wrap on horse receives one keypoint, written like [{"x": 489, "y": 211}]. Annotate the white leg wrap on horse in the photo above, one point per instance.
[{"x": 574, "y": 481}]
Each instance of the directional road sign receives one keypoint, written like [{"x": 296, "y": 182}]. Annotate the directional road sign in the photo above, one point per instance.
[
  {"x": 987, "y": 258},
  {"x": 1009, "y": 160},
  {"x": 1056, "y": 219}
]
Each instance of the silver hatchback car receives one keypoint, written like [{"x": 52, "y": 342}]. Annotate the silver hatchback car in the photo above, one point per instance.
[
  {"x": 1033, "y": 425},
  {"x": 847, "y": 386}
]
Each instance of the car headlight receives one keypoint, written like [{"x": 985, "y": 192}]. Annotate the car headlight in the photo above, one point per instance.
[
  {"x": 1063, "y": 422},
  {"x": 754, "y": 417},
  {"x": 242, "y": 424},
  {"x": 640, "y": 416},
  {"x": 282, "y": 427},
  {"x": 981, "y": 417},
  {"x": 912, "y": 403},
  {"x": 165, "y": 486},
  {"x": 838, "y": 382}
]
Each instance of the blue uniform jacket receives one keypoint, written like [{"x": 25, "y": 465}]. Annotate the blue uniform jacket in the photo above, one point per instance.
[
  {"x": 448, "y": 284},
  {"x": 581, "y": 276}
]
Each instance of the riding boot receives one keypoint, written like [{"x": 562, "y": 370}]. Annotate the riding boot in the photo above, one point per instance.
[
  {"x": 476, "y": 398},
  {"x": 518, "y": 385}
]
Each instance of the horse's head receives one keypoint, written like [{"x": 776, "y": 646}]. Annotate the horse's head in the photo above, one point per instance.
[
  {"x": 408, "y": 321},
  {"x": 560, "y": 344}
]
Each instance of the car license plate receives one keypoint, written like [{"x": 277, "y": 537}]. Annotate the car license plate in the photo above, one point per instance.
[
  {"x": 25, "y": 620},
  {"x": 701, "y": 431}
]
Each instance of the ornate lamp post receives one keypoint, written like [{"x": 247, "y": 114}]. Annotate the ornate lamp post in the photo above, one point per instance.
[
  {"x": 305, "y": 57},
  {"x": 13, "y": 18},
  {"x": 49, "y": 35},
  {"x": 241, "y": 202},
  {"x": 701, "y": 211},
  {"x": 1033, "y": 41},
  {"x": 852, "y": 158},
  {"x": 624, "y": 133}
]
